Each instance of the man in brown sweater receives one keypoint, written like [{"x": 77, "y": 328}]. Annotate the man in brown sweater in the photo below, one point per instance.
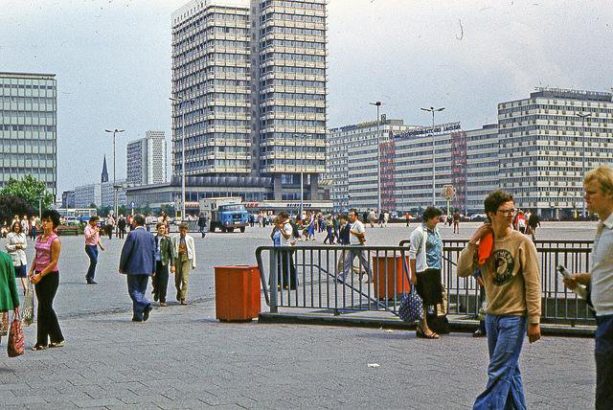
[{"x": 512, "y": 284}]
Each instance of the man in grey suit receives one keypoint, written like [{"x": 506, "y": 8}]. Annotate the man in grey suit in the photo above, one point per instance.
[{"x": 138, "y": 263}]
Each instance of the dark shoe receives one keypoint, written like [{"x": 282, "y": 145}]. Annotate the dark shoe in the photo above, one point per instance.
[
  {"x": 146, "y": 313},
  {"x": 155, "y": 297},
  {"x": 479, "y": 333},
  {"x": 57, "y": 344},
  {"x": 136, "y": 319},
  {"x": 92, "y": 282},
  {"x": 39, "y": 347},
  {"x": 178, "y": 297}
]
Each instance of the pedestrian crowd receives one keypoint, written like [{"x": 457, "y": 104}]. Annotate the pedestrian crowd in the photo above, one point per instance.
[{"x": 499, "y": 254}]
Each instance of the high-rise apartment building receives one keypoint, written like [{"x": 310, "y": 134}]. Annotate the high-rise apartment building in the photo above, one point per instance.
[
  {"x": 289, "y": 46},
  {"x": 211, "y": 84},
  {"x": 548, "y": 142},
  {"x": 249, "y": 79},
  {"x": 146, "y": 159},
  {"x": 28, "y": 128}
]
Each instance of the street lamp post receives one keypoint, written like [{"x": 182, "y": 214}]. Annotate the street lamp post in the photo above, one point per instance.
[
  {"x": 378, "y": 105},
  {"x": 433, "y": 110},
  {"x": 181, "y": 100},
  {"x": 115, "y": 131},
  {"x": 583, "y": 116}
]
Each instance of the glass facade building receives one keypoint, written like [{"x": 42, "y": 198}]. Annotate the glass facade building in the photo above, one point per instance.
[{"x": 28, "y": 127}]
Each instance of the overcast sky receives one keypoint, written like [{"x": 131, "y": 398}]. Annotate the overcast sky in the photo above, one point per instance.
[{"x": 112, "y": 61}]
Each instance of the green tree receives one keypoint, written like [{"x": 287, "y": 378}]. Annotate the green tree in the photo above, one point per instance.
[
  {"x": 12, "y": 205},
  {"x": 30, "y": 190}
]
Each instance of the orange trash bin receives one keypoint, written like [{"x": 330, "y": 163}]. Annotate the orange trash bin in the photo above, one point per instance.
[
  {"x": 389, "y": 277},
  {"x": 237, "y": 293}
]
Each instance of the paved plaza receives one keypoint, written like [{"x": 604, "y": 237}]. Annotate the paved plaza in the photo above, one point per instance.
[{"x": 183, "y": 358}]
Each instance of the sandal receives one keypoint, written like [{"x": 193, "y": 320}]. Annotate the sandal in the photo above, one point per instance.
[
  {"x": 39, "y": 347},
  {"x": 419, "y": 333}
]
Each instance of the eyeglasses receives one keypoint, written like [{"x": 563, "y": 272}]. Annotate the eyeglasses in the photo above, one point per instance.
[{"x": 507, "y": 211}]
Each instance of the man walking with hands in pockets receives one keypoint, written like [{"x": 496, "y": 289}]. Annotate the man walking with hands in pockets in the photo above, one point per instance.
[{"x": 512, "y": 283}]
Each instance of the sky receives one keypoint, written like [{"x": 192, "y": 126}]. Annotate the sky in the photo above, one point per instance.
[{"x": 112, "y": 59}]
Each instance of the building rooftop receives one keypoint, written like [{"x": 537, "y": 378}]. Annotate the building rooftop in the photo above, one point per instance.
[
  {"x": 585, "y": 95},
  {"x": 8, "y": 74}
]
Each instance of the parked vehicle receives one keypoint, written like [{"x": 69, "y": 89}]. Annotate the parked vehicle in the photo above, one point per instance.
[{"x": 227, "y": 213}]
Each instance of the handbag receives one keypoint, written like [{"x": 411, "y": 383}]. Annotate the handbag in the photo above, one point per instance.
[
  {"x": 16, "y": 344},
  {"x": 27, "y": 315},
  {"x": 411, "y": 305}
]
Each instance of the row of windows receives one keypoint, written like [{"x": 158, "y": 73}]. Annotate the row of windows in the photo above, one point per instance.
[
  {"x": 293, "y": 4},
  {"x": 33, "y": 130},
  {"x": 294, "y": 31},
  {"x": 293, "y": 83},
  {"x": 566, "y": 107}
]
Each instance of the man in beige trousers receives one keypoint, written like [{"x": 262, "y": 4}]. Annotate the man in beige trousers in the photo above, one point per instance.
[{"x": 184, "y": 255}]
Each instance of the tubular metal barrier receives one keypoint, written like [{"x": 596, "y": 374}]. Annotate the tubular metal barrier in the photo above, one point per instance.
[{"x": 337, "y": 279}]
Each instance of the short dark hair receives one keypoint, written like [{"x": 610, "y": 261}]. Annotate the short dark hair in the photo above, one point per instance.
[
  {"x": 343, "y": 217},
  {"x": 283, "y": 215},
  {"x": 355, "y": 211},
  {"x": 138, "y": 220},
  {"x": 494, "y": 199},
  {"x": 431, "y": 212},
  {"x": 52, "y": 215},
  {"x": 183, "y": 226},
  {"x": 93, "y": 218}
]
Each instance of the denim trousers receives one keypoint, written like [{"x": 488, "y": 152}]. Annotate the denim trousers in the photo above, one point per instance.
[
  {"x": 137, "y": 288},
  {"x": 504, "y": 390},
  {"x": 604, "y": 362},
  {"x": 92, "y": 253}
]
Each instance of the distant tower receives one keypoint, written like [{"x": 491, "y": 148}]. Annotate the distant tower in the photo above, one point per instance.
[{"x": 105, "y": 175}]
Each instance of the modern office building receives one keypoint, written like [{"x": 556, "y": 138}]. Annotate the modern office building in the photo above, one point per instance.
[
  {"x": 147, "y": 159},
  {"x": 482, "y": 169},
  {"x": 413, "y": 167},
  {"x": 28, "y": 127},
  {"x": 249, "y": 82},
  {"x": 355, "y": 147},
  {"x": 548, "y": 142}
]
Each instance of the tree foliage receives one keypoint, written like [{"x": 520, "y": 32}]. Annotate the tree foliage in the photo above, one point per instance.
[
  {"x": 30, "y": 190},
  {"x": 11, "y": 205}
]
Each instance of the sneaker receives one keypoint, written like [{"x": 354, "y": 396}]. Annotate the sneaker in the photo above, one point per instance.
[{"x": 57, "y": 344}]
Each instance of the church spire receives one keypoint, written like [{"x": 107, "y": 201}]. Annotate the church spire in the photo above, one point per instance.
[{"x": 105, "y": 175}]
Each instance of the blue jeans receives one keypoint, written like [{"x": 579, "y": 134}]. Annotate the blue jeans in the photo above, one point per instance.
[
  {"x": 137, "y": 288},
  {"x": 504, "y": 390},
  {"x": 92, "y": 252},
  {"x": 604, "y": 362}
]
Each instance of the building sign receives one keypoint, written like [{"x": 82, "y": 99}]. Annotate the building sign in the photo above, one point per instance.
[{"x": 282, "y": 205}]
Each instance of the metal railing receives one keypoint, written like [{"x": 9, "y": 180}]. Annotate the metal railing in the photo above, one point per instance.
[{"x": 308, "y": 277}]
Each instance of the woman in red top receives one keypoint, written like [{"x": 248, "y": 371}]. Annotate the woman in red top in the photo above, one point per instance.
[{"x": 45, "y": 276}]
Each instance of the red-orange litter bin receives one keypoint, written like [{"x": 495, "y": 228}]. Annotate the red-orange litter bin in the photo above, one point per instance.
[{"x": 237, "y": 293}]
